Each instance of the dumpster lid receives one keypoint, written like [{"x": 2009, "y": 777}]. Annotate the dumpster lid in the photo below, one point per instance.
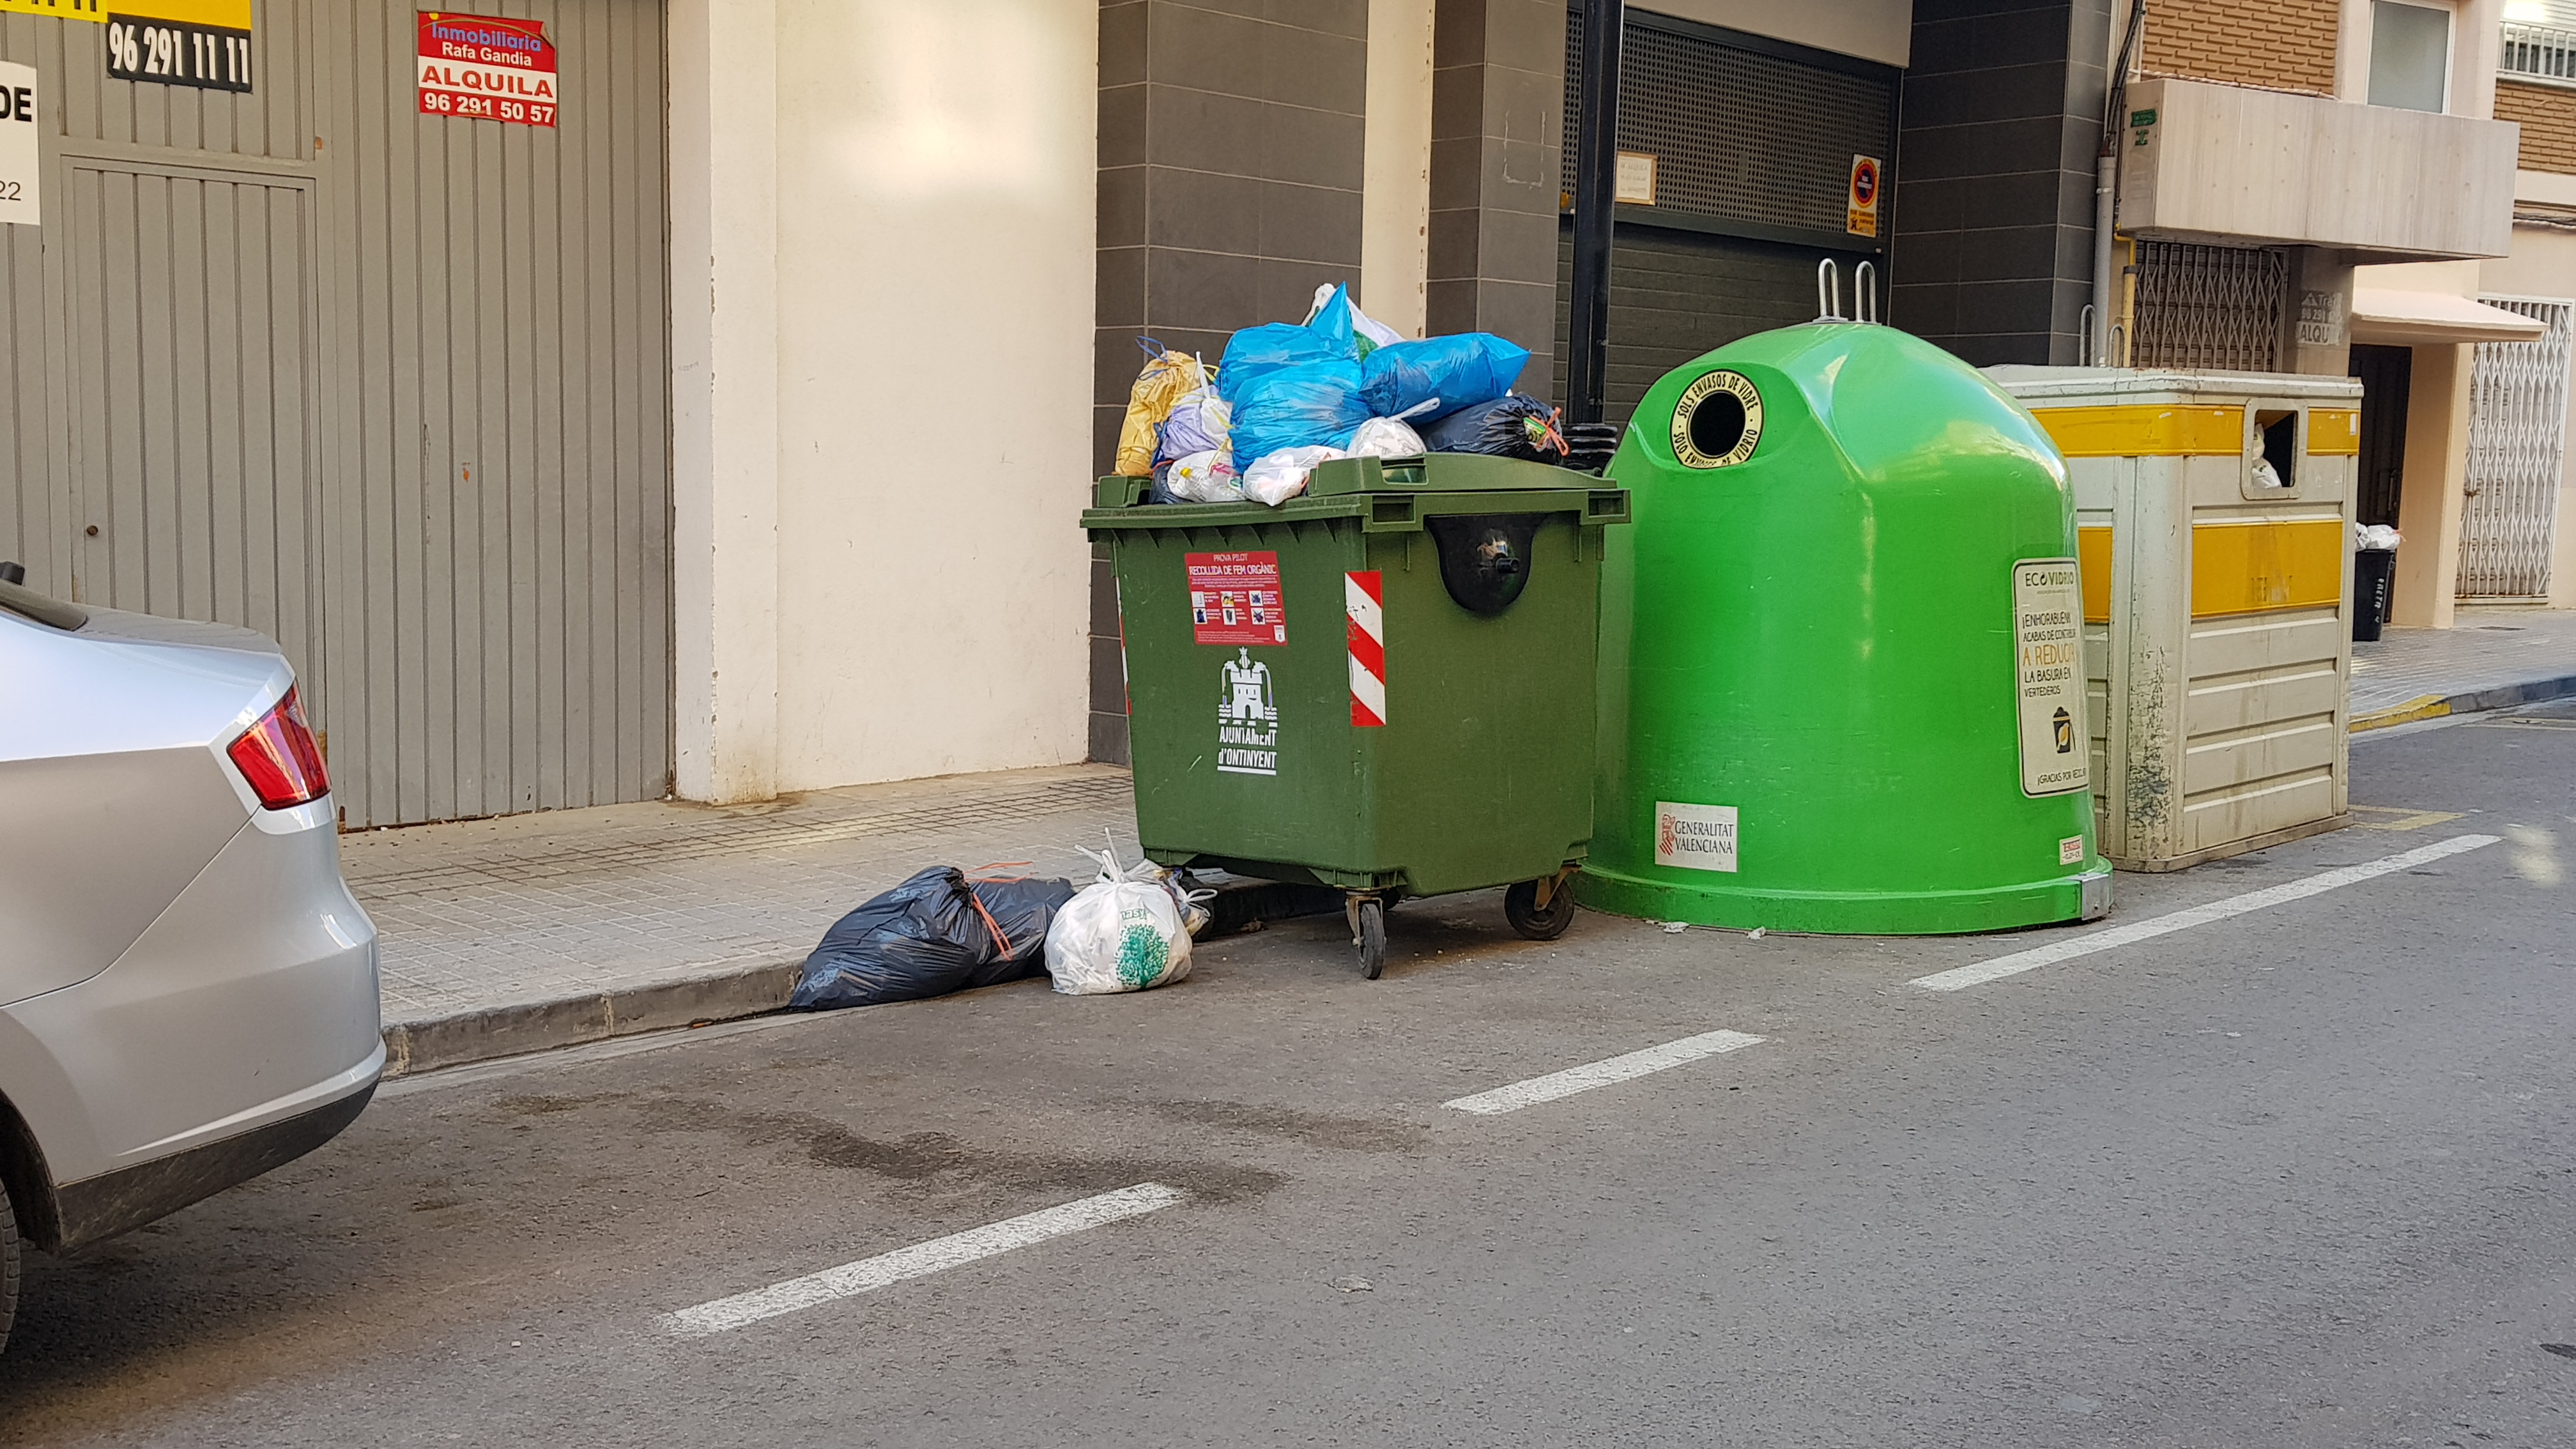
[{"x": 1441, "y": 473}]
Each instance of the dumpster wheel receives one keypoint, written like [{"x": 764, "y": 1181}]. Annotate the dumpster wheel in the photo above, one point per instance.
[
  {"x": 1535, "y": 921},
  {"x": 1368, "y": 934}
]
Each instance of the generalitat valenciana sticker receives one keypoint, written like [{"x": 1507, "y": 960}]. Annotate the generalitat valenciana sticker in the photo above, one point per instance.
[
  {"x": 1695, "y": 837},
  {"x": 2048, "y": 672},
  {"x": 1718, "y": 421}
]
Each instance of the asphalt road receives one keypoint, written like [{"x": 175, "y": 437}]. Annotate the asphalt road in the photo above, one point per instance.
[{"x": 2302, "y": 1176}]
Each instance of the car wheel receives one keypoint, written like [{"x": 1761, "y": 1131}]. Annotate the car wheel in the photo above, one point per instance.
[{"x": 8, "y": 1264}]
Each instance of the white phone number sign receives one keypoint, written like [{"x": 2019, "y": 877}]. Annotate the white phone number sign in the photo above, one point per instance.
[{"x": 20, "y": 156}]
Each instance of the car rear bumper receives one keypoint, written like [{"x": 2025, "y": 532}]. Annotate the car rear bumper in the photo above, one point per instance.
[
  {"x": 241, "y": 1023},
  {"x": 104, "y": 1206}
]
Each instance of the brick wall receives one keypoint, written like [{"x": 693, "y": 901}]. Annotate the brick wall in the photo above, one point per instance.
[
  {"x": 2283, "y": 45},
  {"x": 2547, "y": 115}
]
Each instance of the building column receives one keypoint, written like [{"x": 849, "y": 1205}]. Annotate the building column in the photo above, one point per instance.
[
  {"x": 724, "y": 398},
  {"x": 1395, "y": 203},
  {"x": 1497, "y": 119},
  {"x": 2436, "y": 472}
]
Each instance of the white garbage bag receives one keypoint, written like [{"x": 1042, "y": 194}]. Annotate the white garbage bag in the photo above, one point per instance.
[
  {"x": 1386, "y": 438},
  {"x": 1279, "y": 476},
  {"x": 1205, "y": 477},
  {"x": 1123, "y": 932}
]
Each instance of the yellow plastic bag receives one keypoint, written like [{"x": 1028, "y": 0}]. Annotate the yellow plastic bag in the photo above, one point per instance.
[{"x": 1168, "y": 377}]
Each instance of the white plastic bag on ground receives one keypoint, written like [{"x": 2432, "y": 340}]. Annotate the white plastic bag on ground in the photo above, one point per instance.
[
  {"x": 1281, "y": 475},
  {"x": 1204, "y": 478},
  {"x": 1122, "y": 932}
]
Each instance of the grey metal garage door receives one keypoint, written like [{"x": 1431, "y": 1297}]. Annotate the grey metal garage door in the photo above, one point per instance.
[{"x": 389, "y": 386}]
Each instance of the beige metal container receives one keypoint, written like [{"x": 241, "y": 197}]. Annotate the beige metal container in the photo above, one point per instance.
[{"x": 2218, "y": 631}]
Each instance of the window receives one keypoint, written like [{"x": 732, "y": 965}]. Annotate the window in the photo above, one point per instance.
[{"x": 2410, "y": 55}]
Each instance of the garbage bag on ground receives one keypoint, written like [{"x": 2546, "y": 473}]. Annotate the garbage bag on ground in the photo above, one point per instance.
[
  {"x": 1280, "y": 476},
  {"x": 1123, "y": 932},
  {"x": 1511, "y": 426},
  {"x": 1317, "y": 405},
  {"x": 935, "y": 933},
  {"x": 1385, "y": 438},
  {"x": 1336, "y": 316},
  {"x": 1458, "y": 371},
  {"x": 1207, "y": 476},
  {"x": 1168, "y": 376},
  {"x": 1199, "y": 422}
]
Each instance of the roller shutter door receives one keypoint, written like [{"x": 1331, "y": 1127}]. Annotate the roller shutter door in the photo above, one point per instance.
[
  {"x": 390, "y": 387},
  {"x": 1753, "y": 142}
]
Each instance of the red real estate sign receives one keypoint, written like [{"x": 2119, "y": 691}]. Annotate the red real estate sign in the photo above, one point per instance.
[{"x": 486, "y": 67}]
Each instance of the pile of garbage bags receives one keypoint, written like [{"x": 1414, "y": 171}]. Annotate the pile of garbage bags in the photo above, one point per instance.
[
  {"x": 940, "y": 931},
  {"x": 1289, "y": 395}
]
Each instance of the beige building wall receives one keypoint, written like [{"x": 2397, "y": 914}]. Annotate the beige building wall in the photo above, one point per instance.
[{"x": 883, "y": 273}]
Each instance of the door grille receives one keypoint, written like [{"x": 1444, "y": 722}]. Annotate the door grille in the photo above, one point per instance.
[
  {"x": 2210, "y": 309},
  {"x": 2517, "y": 443}
]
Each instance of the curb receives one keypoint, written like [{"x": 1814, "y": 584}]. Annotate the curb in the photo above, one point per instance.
[
  {"x": 507, "y": 1031},
  {"x": 488, "y": 1033},
  {"x": 2435, "y": 706}
]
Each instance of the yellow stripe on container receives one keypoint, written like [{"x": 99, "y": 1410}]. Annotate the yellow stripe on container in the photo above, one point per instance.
[
  {"x": 2334, "y": 432},
  {"x": 2144, "y": 431},
  {"x": 2247, "y": 568},
  {"x": 2093, "y": 571},
  {"x": 2236, "y": 568}
]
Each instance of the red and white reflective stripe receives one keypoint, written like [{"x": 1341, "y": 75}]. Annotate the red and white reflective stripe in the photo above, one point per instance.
[{"x": 1364, "y": 600}]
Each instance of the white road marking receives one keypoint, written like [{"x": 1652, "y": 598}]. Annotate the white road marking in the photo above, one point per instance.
[
  {"x": 1602, "y": 1073},
  {"x": 1960, "y": 978},
  {"x": 939, "y": 1254}
]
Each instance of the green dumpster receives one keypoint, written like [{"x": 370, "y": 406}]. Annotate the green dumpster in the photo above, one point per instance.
[
  {"x": 1843, "y": 685},
  {"x": 1384, "y": 685}
]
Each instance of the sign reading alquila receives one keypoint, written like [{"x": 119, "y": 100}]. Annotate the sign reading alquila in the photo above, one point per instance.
[{"x": 487, "y": 68}]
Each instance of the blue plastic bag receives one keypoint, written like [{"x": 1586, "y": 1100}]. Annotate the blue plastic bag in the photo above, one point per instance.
[
  {"x": 1256, "y": 352},
  {"x": 1296, "y": 407},
  {"x": 1332, "y": 322},
  {"x": 1462, "y": 371}
]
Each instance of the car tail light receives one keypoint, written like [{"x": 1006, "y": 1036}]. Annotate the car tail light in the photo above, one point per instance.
[{"x": 280, "y": 757}]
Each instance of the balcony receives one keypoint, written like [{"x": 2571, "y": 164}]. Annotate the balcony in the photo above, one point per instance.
[
  {"x": 2540, "y": 55},
  {"x": 2243, "y": 167}
]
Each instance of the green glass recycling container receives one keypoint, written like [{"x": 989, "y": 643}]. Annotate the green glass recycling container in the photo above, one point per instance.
[{"x": 1843, "y": 683}]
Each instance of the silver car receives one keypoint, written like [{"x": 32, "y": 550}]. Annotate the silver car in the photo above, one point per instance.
[{"x": 187, "y": 990}]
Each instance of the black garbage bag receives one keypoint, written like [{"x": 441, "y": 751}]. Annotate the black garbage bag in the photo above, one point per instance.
[
  {"x": 1511, "y": 426},
  {"x": 935, "y": 933}
]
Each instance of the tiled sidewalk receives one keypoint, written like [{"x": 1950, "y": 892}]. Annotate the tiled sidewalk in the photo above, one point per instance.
[
  {"x": 2487, "y": 648},
  {"x": 528, "y": 908},
  {"x": 630, "y": 917}
]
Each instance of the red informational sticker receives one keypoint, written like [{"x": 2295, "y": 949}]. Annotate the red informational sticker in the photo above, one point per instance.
[
  {"x": 1235, "y": 599},
  {"x": 486, "y": 68}
]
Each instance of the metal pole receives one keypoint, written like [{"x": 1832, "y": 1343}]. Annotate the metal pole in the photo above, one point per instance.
[
  {"x": 2106, "y": 192},
  {"x": 1596, "y": 190}
]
